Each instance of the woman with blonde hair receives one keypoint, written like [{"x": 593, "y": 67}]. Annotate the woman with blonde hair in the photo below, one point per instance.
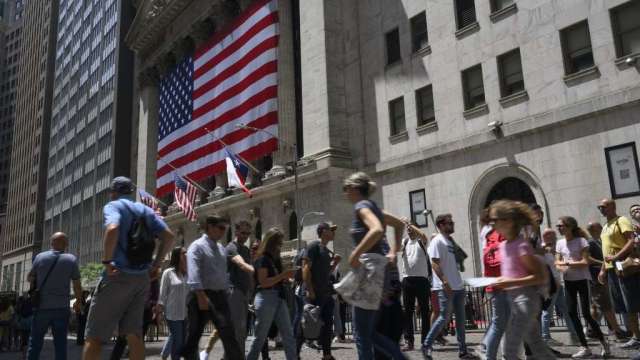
[
  {"x": 572, "y": 259},
  {"x": 522, "y": 273},
  {"x": 367, "y": 231},
  {"x": 270, "y": 304}
]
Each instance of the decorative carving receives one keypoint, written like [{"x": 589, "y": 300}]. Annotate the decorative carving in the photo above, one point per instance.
[
  {"x": 148, "y": 77},
  {"x": 156, "y": 7}
]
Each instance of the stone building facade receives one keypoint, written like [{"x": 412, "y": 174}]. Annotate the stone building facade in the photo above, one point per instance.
[{"x": 463, "y": 101}]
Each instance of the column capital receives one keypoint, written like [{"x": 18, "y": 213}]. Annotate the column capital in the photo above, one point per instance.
[{"x": 148, "y": 77}]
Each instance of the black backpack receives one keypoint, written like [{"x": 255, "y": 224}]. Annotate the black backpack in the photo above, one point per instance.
[{"x": 141, "y": 243}]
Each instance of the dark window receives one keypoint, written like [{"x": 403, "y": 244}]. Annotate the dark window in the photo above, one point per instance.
[
  {"x": 497, "y": 5},
  {"x": 424, "y": 104},
  {"x": 473, "y": 87},
  {"x": 465, "y": 13},
  {"x": 510, "y": 70},
  {"x": 393, "y": 46},
  {"x": 626, "y": 28},
  {"x": 396, "y": 116},
  {"x": 419, "y": 36},
  {"x": 576, "y": 47}
]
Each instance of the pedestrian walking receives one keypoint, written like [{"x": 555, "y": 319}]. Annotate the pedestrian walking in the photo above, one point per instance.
[
  {"x": 617, "y": 243},
  {"x": 521, "y": 276},
  {"x": 318, "y": 262},
  {"x": 129, "y": 264},
  {"x": 172, "y": 302},
  {"x": 390, "y": 315},
  {"x": 600, "y": 302},
  {"x": 557, "y": 301},
  {"x": 498, "y": 297},
  {"x": 51, "y": 274},
  {"x": 209, "y": 299},
  {"x": 572, "y": 259},
  {"x": 448, "y": 285},
  {"x": 415, "y": 285},
  {"x": 367, "y": 231},
  {"x": 270, "y": 300}
]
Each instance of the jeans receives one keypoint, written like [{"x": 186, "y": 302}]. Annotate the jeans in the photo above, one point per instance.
[
  {"x": 270, "y": 307},
  {"x": 525, "y": 306},
  {"x": 447, "y": 305},
  {"x": 415, "y": 287},
  {"x": 500, "y": 313},
  {"x": 575, "y": 289},
  {"x": 366, "y": 336},
  {"x": 58, "y": 319},
  {"x": 174, "y": 342},
  {"x": 558, "y": 301},
  {"x": 220, "y": 315}
]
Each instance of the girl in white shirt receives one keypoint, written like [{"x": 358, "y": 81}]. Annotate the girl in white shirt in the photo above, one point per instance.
[{"x": 173, "y": 302}]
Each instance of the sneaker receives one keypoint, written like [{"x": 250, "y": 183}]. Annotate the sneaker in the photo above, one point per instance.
[
  {"x": 426, "y": 353},
  {"x": 552, "y": 342},
  {"x": 583, "y": 353},
  {"x": 622, "y": 335},
  {"x": 204, "y": 355},
  {"x": 631, "y": 344},
  {"x": 606, "y": 350}
]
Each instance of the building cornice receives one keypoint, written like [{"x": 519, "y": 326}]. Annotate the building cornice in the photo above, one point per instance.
[{"x": 151, "y": 20}]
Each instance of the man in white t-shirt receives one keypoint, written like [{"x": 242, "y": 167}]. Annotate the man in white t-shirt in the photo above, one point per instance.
[
  {"x": 415, "y": 285},
  {"x": 448, "y": 285}
]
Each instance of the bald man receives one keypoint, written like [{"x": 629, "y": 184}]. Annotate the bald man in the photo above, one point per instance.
[
  {"x": 51, "y": 274},
  {"x": 617, "y": 242}
]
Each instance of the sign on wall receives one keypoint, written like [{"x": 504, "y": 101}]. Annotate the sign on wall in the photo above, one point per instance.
[
  {"x": 418, "y": 203},
  {"x": 624, "y": 173}
]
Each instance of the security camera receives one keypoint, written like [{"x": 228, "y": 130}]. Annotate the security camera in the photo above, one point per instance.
[
  {"x": 630, "y": 61},
  {"x": 494, "y": 125}
]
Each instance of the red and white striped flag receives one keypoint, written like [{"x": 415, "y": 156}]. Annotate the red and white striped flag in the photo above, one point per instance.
[
  {"x": 231, "y": 80},
  {"x": 148, "y": 199},
  {"x": 185, "y": 196}
]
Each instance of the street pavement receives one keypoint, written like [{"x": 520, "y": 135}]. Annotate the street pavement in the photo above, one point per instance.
[{"x": 340, "y": 351}]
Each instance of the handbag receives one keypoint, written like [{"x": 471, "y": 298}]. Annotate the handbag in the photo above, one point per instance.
[{"x": 36, "y": 296}]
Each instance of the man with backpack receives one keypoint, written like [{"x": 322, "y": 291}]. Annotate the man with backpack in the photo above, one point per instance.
[
  {"x": 129, "y": 245},
  {"x": 51, "y": 274}
]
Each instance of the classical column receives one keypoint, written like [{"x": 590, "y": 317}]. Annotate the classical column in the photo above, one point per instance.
[{"x": 148, "y": 117}]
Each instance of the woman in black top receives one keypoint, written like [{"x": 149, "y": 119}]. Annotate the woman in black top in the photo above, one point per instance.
[{"x": 270, "y": 301}]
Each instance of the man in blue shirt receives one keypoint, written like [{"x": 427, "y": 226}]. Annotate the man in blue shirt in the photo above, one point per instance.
[
  {"x": 53, "y": 309},
  {"x": 120, "y": 297},
  {"x": 209, "y": 282}
]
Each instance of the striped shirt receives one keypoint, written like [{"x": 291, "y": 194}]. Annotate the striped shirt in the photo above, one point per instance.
[{"x": 173, "y": 295}]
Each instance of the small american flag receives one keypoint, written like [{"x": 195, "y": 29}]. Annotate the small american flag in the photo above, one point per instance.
[
  {"x": 185, "y": 195},
  {"x": 148, "y": 199},
  {"x": 231, "y": 80}
]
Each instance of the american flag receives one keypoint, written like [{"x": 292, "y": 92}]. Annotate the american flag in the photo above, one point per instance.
[
  {"x": 231, "y": 80},
  {"x": 148, "y": 199},
  {"x": 185, "y": 194}
]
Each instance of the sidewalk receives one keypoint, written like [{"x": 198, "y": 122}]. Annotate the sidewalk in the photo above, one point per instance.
[{"x": 340, "y": 351}]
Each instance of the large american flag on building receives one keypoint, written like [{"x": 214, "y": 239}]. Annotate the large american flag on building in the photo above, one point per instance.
[{"x": 231, "y": 80}]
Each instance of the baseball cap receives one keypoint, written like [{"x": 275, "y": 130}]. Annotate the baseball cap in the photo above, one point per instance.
[
  {"x": 325, "y": 226},
  {"x": 122, "y": 185}
]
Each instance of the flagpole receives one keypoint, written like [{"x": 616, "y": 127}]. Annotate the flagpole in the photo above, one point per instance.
[
  {"x": 185, "y": 176},
  {"x": 239, "y": 156}
]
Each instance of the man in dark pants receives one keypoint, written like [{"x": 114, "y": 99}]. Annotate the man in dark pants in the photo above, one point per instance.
[
  {"x": 415, "y": 285},
  {"x": 317, "y": 266},
  {"x": 207, "y": 277}
]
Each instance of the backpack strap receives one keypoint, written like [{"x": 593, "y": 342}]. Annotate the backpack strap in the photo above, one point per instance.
[{"x": 46, "y": 277}]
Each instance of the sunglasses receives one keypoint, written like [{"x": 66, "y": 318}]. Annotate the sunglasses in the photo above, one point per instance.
[
  {"x": 244, "y": 233},
  {"x": 560, "y": 226},
  {"x": 601, "y": 207},
  {"x": 496, "y": 219}
]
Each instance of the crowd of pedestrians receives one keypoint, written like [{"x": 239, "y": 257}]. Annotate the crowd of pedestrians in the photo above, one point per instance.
[{"x": 581, "y": 275}]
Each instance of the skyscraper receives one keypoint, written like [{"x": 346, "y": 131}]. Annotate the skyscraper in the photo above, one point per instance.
[
  {"x": 90, "y": 121},
  {"x": 22, "y": 236}
]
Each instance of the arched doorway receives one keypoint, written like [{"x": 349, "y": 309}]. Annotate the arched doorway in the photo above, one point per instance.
[
  {"x": 504, "y": 181},
  {"x": 510, "y": 188}
]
